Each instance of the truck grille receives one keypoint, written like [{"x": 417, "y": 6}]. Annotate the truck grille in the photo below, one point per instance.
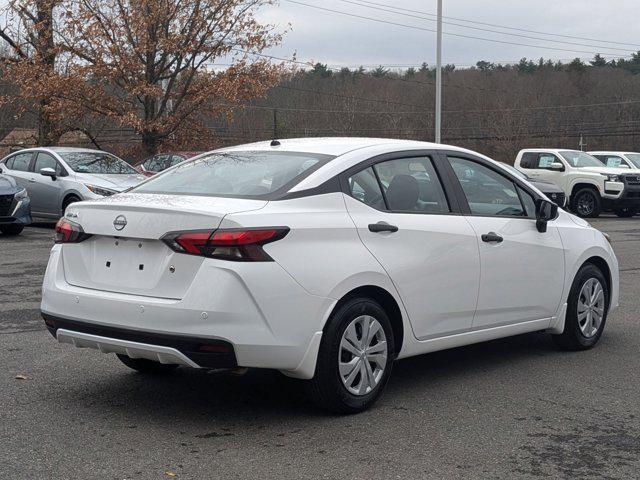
[
  {"x": 557, "y": 198},
  {"x": 632, "y": 179},
  {"x": 5, "y": 205}
]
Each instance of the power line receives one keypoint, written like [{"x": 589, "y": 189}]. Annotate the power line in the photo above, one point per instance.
[
  {"x": 501, "y": 26},
  {"x": 459, "y": 35},
  {"x": 471, "y": 27}
]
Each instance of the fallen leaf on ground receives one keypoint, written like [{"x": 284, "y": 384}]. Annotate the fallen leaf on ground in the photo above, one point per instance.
[
  {"x": 20, "y": 377},
  {"x": 171, "y": 474}
]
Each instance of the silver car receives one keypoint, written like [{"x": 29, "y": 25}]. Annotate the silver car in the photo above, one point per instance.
[{"x": 55, "y": 177}]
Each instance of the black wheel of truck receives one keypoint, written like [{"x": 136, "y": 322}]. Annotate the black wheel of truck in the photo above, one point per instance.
[{"x": 586, "y": 203}]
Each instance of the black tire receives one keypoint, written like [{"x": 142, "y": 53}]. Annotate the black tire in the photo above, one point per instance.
[
  {"x": 572, "y": 338},
  {"x": 11, "y": 229},
  {"x": 143, "y": 365},
  {"x": 327, "y": 389},
  {"x": 586, "y": 203},
  {"x": 68, "y": 201},
  {"x": 626, "y": 212}
]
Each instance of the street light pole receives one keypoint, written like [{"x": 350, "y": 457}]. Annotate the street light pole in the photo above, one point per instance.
[{"x": 438, "y": 117}]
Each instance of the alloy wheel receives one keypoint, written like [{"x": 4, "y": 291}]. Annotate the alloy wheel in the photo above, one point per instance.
[
  {"x": 586, "y": 204},
  {"x": 362, "y": 358},
  {"x": 591, "y": 305}
]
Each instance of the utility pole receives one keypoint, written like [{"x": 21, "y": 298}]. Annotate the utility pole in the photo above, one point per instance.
[
  {"x": 582, "y": 144},
  {"x": 438, "y": 117}
]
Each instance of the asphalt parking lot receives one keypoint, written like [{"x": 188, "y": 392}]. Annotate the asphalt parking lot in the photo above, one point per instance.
[{"x": 510, "y": 408}]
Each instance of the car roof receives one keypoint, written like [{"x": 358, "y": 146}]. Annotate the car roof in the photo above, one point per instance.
[
  {"x": 609, "y": 152},
  {"x": 335, "y": 146},
  {"x": 60, "y": 150},
  {"x": 550, "y": 149}
]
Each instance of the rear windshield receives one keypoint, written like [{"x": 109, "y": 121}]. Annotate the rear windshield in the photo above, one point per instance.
[
  {"x": 96, "y": 163},
  {"x": 235, "y": 174},
  {"x": 580, "y": 159}
]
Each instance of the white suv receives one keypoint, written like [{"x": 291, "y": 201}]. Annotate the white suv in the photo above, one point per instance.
[
  {"x": 590, "y": 186},
  {"x": 326, "y": 259},
  {"x": 618, "y": 159}
]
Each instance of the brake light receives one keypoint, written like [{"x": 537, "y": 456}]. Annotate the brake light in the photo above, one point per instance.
[
  {"x": 241, "y": 244},
  {"x": 69, "y": 232}
]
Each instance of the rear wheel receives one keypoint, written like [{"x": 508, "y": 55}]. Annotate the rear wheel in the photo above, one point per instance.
[
  {"x": 143, "y": 365},
  {"x": 587, "y": 309},
  {"x": 355, "y": 358},
  {"x": 11, "y": 229},
  {"x": 586, "y": 203},
  {"x": 626, "y": 212}
]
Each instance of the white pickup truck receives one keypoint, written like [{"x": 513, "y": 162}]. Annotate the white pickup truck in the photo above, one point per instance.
[{"x": 590, "y": 186}]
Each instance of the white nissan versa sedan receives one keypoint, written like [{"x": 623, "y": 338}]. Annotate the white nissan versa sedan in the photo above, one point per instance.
[{"x": 326, "y": 259}]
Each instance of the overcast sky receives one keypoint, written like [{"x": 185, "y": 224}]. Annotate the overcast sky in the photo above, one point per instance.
[{"x": 342, "y": 40}]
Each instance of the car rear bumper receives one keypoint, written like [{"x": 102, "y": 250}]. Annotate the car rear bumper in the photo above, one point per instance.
[
  {"x": 170, "y": 349},
  {"x": 272, "y": 323}
]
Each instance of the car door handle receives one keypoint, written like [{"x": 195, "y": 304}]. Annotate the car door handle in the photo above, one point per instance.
[
  {"x": 382, "y": 227},
  {"x": 492, "y": 237}
]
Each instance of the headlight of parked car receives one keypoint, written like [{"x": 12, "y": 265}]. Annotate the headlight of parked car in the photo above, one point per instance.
[
  {"x": 611, "y": 178},
  {"x": 21, "y": 194},
  {"x": 105, "y": 192}
]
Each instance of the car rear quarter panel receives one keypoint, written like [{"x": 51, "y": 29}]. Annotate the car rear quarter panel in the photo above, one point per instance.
[{"x": 323, "y": 251}]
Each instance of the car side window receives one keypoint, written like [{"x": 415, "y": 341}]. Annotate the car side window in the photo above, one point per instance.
[
  {"x": 21, "y": 161},
  {"x": 488, "y": 193},
  {"x": 614, "y": 161},
  {"x": 545, "y": 160},
  {"x": 529, "y": 160},
  {"x": 412, "y": 185},
  {"x": 364, "y": 186},
  {"x": 9, "y": 162},
  {"x": 46, "y": 160}
]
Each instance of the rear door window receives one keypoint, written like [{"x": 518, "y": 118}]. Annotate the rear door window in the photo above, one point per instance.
[
  {"x": 412, "y": 185},
  {"x": 364, "y": 187},
  {"x": 20, "y": 162}
]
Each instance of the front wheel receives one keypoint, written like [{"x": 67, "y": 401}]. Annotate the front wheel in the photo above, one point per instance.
[
  {"x": 355, "y": 358},
  {"x": 143, "y": 365},
  {"x": 587, "y": 309},
  {"x": 586, "y": 203},
  {"x": 626, "y": 212},
  {"x": 11, "y": 229}
]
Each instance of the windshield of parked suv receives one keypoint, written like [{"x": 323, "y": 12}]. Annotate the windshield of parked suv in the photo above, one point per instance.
[
  {"x": 580, "y": 159},
  {"x": 234, "y": 174},
  {"x": 96, "y": 162},
  {"x": 634, "y": 158}
]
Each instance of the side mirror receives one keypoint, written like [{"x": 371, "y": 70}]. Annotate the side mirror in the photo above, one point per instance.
[
  {"x": 546, "y": 211},
  {"x": 557, "y": 166},
  {"x": 48, "y": 172},
  {"x": 622, "y": 165}
]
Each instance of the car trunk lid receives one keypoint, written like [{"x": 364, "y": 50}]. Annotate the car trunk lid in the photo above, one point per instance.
[{"x": 125, "y": 253}]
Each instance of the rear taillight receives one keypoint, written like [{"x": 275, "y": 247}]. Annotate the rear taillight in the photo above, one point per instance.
[
  {"x": 69, "y": 232},
  {"x": 239, "y": 244}
]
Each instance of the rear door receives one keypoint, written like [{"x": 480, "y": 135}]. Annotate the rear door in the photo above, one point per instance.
[
  {"x": 522, "y": 270},
  {"x": 413, "y": 229},
  {"x": 17, "y": 166}
]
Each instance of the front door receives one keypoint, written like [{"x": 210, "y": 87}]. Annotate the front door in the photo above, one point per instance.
[
  {"x": 522, "y": 270},
  {"x": 430, "y": 252},
  {"x": 45, "y": 191}
]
